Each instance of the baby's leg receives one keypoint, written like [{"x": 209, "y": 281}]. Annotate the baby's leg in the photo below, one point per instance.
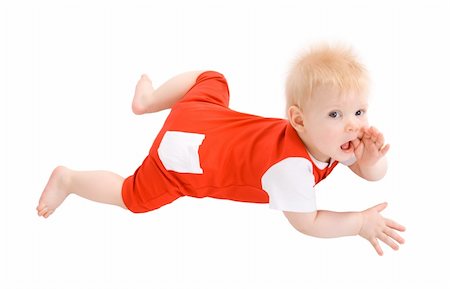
[
  {"x": 143, "y": 96},
  {"x": 99, "y": 186},
  {"x": 147, "y": 99}
]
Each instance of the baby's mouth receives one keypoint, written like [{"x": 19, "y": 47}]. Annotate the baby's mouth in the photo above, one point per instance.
[{"x": 346, "y": 147}]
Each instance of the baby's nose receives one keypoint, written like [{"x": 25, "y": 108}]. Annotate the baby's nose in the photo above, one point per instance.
[{"x": 351, "y": 126}]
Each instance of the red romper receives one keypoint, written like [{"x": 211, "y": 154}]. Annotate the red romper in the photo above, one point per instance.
[{"x": 206, "y": 149}]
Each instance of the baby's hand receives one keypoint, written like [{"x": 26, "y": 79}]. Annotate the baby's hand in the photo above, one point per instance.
[
  {"x": 369, "y": 147},
  {"x": 375, "y": 228}
]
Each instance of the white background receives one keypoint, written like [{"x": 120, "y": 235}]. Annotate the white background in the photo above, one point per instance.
[{"x": 67, "y": 76}]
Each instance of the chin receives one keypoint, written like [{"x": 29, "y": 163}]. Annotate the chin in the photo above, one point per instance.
[{"x": 344, "y": 156}]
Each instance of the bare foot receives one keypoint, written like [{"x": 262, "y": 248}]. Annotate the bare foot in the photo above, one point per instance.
[
  {"x": 55, "y": 192},
  {"x": 142, "y": 95}
]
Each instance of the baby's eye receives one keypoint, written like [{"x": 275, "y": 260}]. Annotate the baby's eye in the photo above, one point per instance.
[
  {"x": 334, "y": 114},
  {"x": 360, "y": 112}
]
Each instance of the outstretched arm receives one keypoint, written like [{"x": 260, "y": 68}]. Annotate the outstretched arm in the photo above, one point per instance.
[
  {"x": 369, "y": 224},
  {"x": 147, "y": 99}
]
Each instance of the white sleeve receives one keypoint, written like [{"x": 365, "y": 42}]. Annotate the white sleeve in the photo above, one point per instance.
[{"x": 290, "y": 185}]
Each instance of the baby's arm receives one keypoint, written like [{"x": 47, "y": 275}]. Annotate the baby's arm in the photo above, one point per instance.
[
  {"x": 373, "y": 172},
  {"x": 147, "y": 100},
  {"x": 369, "y": 224},
  {"x": 370, "y": 151}
]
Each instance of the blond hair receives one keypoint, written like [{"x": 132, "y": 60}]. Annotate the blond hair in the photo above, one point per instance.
[{"x": 324, "y": 65}]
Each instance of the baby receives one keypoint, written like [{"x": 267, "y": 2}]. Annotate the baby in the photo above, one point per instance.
[{"x": 205, "y": 149}]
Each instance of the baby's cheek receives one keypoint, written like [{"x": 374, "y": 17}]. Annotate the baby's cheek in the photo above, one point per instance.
[
  {"x": 364, "y": 126},
  {"x": 365, "y": 122},
  {"x": 329, "y": 138}
]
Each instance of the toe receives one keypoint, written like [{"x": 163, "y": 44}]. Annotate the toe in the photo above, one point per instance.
[
  {"x": 43, "y": 211},
  {"x": 146, "y": 78},
  {"x": 40, "y": 206},
  {"x": 47, "y": 214}
]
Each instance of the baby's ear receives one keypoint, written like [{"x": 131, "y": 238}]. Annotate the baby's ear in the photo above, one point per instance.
[{"x": 295, "y": 115}]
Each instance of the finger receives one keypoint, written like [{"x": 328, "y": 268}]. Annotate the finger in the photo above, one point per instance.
[
  {"x": 360, "y": 133},
  {"x": 359, "y": 149},
  {"x": 367, "y": 134},
  {"x": 364, "y": 133},
  {"x": 377, "y": 247},
  {"x": 355, "y": 143},
  {"x": 369, "y": 145},
  {"x": 384, "y": 150},
  {"x": 376, "y": 135},
  {"x": 375, "y": 130},
  {"x": 380, "y": 207},
  {"x": 394, "y": 225},
  {"x": 373, "y": 135},
  {"x": 372, "y": 147},
  {"x": 388, "y": 241},
  {"x": 392, "y": 234},
  {"x": 379, "y": 142}
]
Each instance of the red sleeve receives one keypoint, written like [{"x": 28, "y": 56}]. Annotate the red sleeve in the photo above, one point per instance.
[{"x": 210, "y": 87}]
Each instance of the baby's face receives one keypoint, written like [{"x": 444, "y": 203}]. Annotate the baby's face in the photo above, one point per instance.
[{"x": 331, "y": 121}]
